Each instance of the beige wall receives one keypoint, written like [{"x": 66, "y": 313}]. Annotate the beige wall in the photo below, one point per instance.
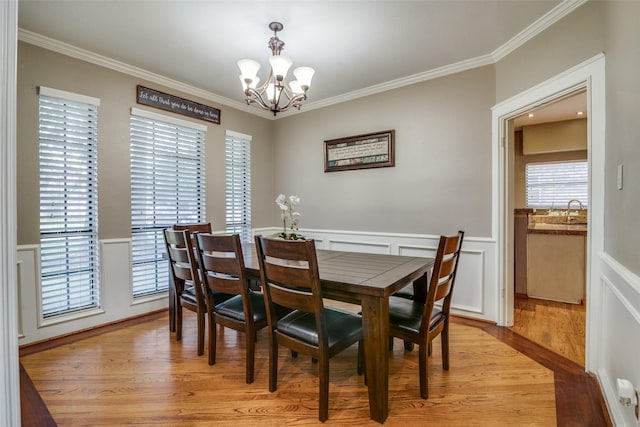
[
  {"x": 442, "y": 178},
  {"x": 573, "y": 39},
  {"x": 622, "y": 35},
  {"x": 568, "y": 135},
  {"x": 610, "y": 27},
  {"x": 117, "y": 92}
]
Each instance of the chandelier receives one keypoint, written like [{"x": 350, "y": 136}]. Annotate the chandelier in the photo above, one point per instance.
[{"x": 275, "y": 94}]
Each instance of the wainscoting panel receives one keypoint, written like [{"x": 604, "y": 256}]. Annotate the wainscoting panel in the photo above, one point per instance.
[
  {"x": 115, "y": 294},
  {"x": 476, "y": 292},
  {"x": 619, "y": 344}
]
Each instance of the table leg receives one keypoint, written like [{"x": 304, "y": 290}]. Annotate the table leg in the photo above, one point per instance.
[
  {"x": 172, "y": 304},
  {"x": 375, "y": 318}
]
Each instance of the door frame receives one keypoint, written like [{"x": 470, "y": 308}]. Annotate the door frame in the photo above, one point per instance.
[{"x": 590, "y": 75}]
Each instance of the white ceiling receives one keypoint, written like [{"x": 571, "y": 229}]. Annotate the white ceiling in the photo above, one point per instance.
[
  {"x": 356, "y": 47},
  {"x": 570, "y": 107}
]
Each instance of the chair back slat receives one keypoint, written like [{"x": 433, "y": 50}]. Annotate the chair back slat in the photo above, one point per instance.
[
  {"x": 222, "y": 264},
  {"x": 292, "y": 298},
  {"x": 443, "y": 277},
  {"x": 182, "y": 260},
  {"x": 289, "y": 273},
  {"x": 201, "y": 227},
  {"x": 293, "y": 275},
  {"x": 178, "y": 254}
]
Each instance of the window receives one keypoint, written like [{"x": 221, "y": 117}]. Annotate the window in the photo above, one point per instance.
[
  {"x": 552, "y": 185},
  {"x": 68, "y": 144},
  {"x": 167, "y": 187},
  {"x": 238, "y": 185}
]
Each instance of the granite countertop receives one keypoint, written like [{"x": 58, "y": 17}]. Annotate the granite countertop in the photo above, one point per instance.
[{"x": 559, "y": 229}]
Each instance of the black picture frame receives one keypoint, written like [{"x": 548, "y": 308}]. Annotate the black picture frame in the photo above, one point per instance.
[{"x": 370, "y": 150}]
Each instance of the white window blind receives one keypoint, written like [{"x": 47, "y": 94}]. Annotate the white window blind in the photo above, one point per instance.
[
  {"x": 552, "y": 185},
  {"x": 238, "y": 184},
  {"x": 68, "y": 150},
  {"x": 167, "y": 187}
]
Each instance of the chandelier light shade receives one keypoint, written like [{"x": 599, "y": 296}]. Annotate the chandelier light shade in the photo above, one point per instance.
[{"x": 275, "y": 94}]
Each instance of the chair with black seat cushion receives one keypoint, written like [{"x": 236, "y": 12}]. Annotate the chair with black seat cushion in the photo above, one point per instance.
[
  {"x": 419, "y": 323},
  {"x": 199, "y": 227},
  {"x": 289, "y": 273},
  {"x": 186, "y": 283},
  {"x": 223, "y": 270}
]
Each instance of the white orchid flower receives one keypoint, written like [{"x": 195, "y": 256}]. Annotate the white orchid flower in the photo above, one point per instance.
[{"x": 294, "y": 200}]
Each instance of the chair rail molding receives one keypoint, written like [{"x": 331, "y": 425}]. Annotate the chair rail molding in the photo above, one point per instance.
[
  {"x": 476, "y": 290},
  {"x": 474, "y": 295}
]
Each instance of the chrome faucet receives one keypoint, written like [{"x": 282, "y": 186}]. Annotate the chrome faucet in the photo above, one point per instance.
[{"x": 569, "y": 208}]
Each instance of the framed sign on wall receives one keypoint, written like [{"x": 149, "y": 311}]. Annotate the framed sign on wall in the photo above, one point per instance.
[
  {"x": 175, "y": 104},
  {"x": 371, "y": 150}
]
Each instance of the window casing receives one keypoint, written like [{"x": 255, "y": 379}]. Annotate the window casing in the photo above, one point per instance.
[
  {"x": 553, "y": 184},
  {"x": 238, "y": 184},
  {"x": 167, "y": 187},
  {"x": 68, "y": 165}
]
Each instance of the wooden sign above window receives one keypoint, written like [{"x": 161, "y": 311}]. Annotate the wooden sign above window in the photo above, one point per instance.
[{"x": 175, "y": 104}]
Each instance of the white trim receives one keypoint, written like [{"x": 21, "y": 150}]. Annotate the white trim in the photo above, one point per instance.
[
  {"x": 551, "y": 17},
  {"x": 476, "y": 284},
  {"x": 547, "y": 20},
  {"x": 590, "y": 75},
  {"x": 238, "y": 135},
  {"x": 9, "y": 361},
  {"x": 168, "y": 119},
  {"x": 69, "y": 96},
  {"x": 620, "y": 293},
  {"x": 112, "y": 64},
  {"x": 446, "y": 70},
  {"x": 625, "y": 274}
]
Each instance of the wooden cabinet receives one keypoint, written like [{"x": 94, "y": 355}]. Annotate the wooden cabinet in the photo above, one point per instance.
[{"x": 556, "y": 267}]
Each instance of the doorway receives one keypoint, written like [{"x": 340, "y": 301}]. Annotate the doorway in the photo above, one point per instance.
[
  {"x": 550, "y": 156},
  {"x": 588, "y": 75}
]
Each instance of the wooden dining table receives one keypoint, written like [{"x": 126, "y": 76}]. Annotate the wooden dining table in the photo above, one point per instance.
[{"x": 368, "y": 280}]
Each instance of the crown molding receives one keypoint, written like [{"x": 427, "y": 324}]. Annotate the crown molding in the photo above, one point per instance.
[
  {"x": 112, "y": 64},
  {"x": 560, "y": 11},
  {"x": 404, "y": 81},
  {"x": 544, "y": 22}
]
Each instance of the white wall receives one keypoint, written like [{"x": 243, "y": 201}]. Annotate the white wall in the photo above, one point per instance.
[
  {"x": 116, "y": 302},
  {"x": 618, "y": 343}
]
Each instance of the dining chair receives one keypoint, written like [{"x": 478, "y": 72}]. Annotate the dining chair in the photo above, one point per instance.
[
  {"x": 418, "y": 322},
  {"x": 223, "y": 271},
  {"x": 290, "y": 278},
  {"x": 200, "y": 227},
  {"x": 186, "y": 283}
]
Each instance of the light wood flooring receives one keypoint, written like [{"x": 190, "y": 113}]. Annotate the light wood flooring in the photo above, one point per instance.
[
  {"x": 141, "y": 375},
  {"x": 558, "y": 326}
]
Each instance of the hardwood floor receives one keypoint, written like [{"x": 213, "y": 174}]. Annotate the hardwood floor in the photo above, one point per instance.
[
  {"x": 140, "y": 375},
  {"x": 558, "y": 326}
]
